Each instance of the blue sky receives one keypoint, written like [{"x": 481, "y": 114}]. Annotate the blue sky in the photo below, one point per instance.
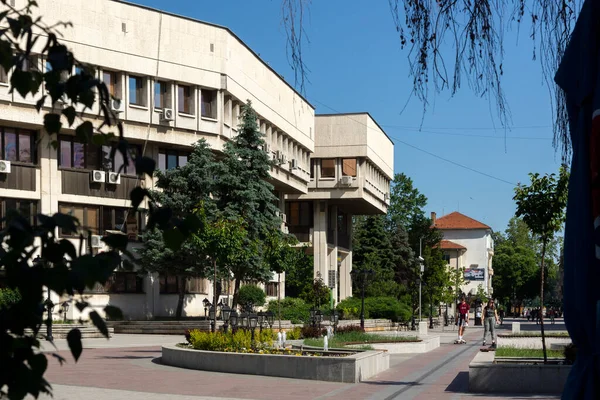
[{"x": 356, "y": 64}]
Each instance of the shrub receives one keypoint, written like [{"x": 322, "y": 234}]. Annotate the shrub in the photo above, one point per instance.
[
  {"x": 312, "y": 332},
  {"x": 293, "y": 309},
  {"x": 252, "y": 294},
  {"x": 294, "y": 334},
  {"x": 375, "y": 307},
  {"x": 239, "y": 341},
  {"x": 8, "y": 297},
  {"x": 348, "y": 329}
]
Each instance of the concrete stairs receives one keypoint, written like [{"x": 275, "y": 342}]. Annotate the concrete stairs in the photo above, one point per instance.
[
  {"x": 160, "y": 327},
  {"x": 60, "y": 331}
]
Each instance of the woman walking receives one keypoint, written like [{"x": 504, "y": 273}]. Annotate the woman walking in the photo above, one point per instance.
[{"x": 491, "y": 318}]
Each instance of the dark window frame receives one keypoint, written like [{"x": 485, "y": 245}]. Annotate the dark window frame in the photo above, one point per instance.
[
  {"x": 185, "y": 99},
  {"x": 18, "y": 132},
  {"x": 33, "y": 211},
  {"x": 141, "y": 95},
  {"x": 163, "y": 95},
  {"x": 171, "y": 152},
  {"x": 355, "y": 167},
  {"x": 100, "y": 228},
  {"x": 272, "y": 287},
  {"x": 112, "y": 285},
  {"x": 113, "y": 86},
  {"x": 208, "y": 109},
  {"x": 169, "y": 288},
  {"x": 322, "y": 176}
]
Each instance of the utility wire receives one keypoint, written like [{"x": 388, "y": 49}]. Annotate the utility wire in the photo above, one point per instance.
[
  {"x": 510, "y": 128},
  {"x": 349, "y": 116},
  {"x": 416, "y": 130}
]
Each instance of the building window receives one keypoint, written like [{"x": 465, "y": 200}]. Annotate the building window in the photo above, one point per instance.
[
  {"x": 313, "y": 165},
  {"x": 272, "y": 289},
  {"x": 170, "y": 284},
  {"x": 120, "y": 282},
  {"x": 209, "y": 104},
  {"x": 446, "y": 258},
  {"x": 299, "y": 213},
  {"x": 137, "y": 94},
  {"x": 87, "y": 215},
  {"x": 117, "y": 163},
  {"x": 161, "y": 95},
  {"x": 349, "y": 167},
  {"x": 74, "y": 154},
  {"x": 27, "y": 208},
  {"x": 3, "y": 75},
  {"x": 185, "y": 99},
  {"x": 328, "y": 168},
  {"x": 17, "y": 145},
  {"x": 342, "y": 222},
  {"x": 169, "y": 159},
  {"x": 111, "y": 81},
  {"x": 30, "y": 64}
]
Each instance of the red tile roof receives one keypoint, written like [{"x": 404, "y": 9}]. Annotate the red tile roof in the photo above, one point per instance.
[
  {"x": 448, "y": 245},
  {"x": 457, "y": 220}
]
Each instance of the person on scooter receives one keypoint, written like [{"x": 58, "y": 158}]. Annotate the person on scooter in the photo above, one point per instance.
[{"x": 463, "y": 318}]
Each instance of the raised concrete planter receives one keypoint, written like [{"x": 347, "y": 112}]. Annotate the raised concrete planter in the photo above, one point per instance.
[
  {"x": 487, "y": 377},
  {"x": 422, "y": 346},
  {"x": 530, "y": 342},
  {"x": 350, "y": 369}
]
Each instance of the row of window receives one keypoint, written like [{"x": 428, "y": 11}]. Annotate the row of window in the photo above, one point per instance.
[
  {"x": 99, "y": 219},
  {"x": 328, "y": 167},
  {"x": 27, "y": 208},
  {"x": 17, "y": 145}
]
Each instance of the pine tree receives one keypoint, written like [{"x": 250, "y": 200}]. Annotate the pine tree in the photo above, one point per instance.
[
  {"x": 182, "y": 190},
  {"x": 243, "y": 191}
]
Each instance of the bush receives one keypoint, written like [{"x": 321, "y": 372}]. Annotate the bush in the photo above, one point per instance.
[
  {"x": 252, "y": 294},
  {"x": 375, "y": 307},
  {"x": 8, "y": 297},
  {"x": 348, "y": 329},
  {"x": 312, "y": 332},
  {"x": 240, "y": 341},
  {"x": 292, "y": 309},
  {"x": 294, "y": 334}
]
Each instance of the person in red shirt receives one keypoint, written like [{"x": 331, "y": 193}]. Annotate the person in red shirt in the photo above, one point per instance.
[{"x": 463, "y": 318}]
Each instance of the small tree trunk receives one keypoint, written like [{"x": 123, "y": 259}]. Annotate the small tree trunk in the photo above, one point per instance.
[
  {"x": 181, "y": 298},
  {"x": 236, "y": 292},
  {"x": 542, "y": 302},
  {"x": 215, "y": 296}
]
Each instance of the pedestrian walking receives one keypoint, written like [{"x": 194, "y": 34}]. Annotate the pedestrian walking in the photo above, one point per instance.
[
  {"x": 491, "y": 319},
  {"x": 462, "y": 319}
]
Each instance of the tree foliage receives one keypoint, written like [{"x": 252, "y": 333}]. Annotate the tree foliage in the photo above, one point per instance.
[{"x": 542, "y": 206}]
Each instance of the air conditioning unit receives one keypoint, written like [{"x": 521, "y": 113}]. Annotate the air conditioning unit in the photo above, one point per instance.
[
  {"x": 98, "y": 176},
  {"x": 346, "y": 181},
  {"x": 96, "y": 242},
  {"x": 117, "y": 106},
  {"x": 114, "y": 178},
  {"x": 4, "y": 167},
  {"x": 167, "y": 115},
  {"x": 271, "y": 156},
  {"x": 278, "y": 156},
  {"x": 294, "y": 163},
  {"x": 386, "y": 197},
  {"x": 283, "y": 160},
  {"x": 266, "y": 148}
]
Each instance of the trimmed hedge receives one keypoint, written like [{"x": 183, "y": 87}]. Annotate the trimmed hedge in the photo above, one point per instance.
[
  {"x": 375, "y": 308},
  {"x": 252, "y": 294}
]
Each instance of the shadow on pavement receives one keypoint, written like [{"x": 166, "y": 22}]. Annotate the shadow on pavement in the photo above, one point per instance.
[
  {"x": 460, "y": 384},
  {"x": 392, "y": 383},
  {"x": 125, "y": 357}
]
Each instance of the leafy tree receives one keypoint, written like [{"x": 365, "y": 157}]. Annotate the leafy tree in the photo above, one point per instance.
[
  {"x": 372, "y": 250},
  {"x": 515, "y": 272},
  {"x": 406, "y": 202},
  {"x": 243, "y": 191},
  {"x": 182, "y": 190},
  {"x": 299, "y": 278},
  {"x": 542, "y": 206},
  {"x": 252, "y": 294}
]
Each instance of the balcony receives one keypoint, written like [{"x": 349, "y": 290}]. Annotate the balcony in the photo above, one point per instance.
[{"x": 76, "y": 181}]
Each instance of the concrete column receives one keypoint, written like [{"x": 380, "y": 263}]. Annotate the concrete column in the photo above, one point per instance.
[
  {"x": 49, "y": 177},
  {"x": 333, "y": 254},
  {"x": 152, "y": 289},
  {"x": 320, "y": 238}
]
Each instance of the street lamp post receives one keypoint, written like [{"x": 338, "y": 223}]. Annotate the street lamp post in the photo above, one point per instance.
[
  {"x": 421, "y": 270},
  {"x": 49, "y": 307},
  {"x": 262, "y": 317},
  {"x": 334, "y": 320},
  {"x": 233, "y": 321},
  {"x": 64, "y": 308},
  {"x": 212, "y": 316},
  {"x": 252, "y": 321},
  {"x": 207, "y": 304},
  {"x": 225, "y": 315},
  {"x": 362, "y": 274},
  {"x": 270, "y": 315}
]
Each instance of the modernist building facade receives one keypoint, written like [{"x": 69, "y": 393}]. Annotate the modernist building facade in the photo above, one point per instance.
[
  {"x": 178, "y": 80},
  {"x": 468, "y": 244}
]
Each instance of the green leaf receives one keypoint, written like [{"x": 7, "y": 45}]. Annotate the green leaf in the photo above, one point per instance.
[
  {"x": 99, "y": 322},
  {"x": 116, "y": 241},
  {"x": 173, "y": 238},
  {"x": 74, "y": 341},
  {"x": 52, "y": 123},
  {"x": 70, "y": 113},
  {"x": 85, "y": 131},
  {"x": 113, "y": 312},
  {"x": 40, "y": 103},
  {"x": 145, "y": 165},
  {"x": 137, "y": 196}
]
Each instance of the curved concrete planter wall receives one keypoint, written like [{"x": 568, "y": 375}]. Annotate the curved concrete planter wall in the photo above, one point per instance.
[
  {"x": 349, "y": 369},
  {"x": 422, "y": 346}
]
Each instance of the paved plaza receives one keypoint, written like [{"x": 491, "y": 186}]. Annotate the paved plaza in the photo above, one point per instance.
[{"x": 129, "y": 367}]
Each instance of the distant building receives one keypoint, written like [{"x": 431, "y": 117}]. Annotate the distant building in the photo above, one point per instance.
[{"x": 467, "y": 244}]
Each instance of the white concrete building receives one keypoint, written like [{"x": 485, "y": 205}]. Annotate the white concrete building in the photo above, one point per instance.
[
  {"x": 351, "y": 170},
  {"x": 468, "y": 244},
  {"x": 179, "y": 80}
]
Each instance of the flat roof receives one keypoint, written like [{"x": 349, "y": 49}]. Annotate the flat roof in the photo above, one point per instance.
[
  {"x": 220, "y": 27},
  {"x": 357, "y": 113}
]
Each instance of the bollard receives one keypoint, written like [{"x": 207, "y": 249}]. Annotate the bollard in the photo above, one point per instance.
[
  {"x": 516, "y": 327},
  {"x": 279, "y": 340},
  {"x": 325, "y": 343}
]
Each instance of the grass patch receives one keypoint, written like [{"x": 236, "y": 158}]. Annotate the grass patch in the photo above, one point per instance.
[
  {"x": 343, "y": 339},
  {"x": 538, "y": 334},
  {"x": 527, "y": 353}
]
